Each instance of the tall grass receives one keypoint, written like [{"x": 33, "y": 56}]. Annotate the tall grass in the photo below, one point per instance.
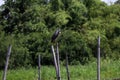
[{"x": 110, "y": 69}]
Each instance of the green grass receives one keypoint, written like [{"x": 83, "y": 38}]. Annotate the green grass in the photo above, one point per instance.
[{"x": 109, "y": 70}]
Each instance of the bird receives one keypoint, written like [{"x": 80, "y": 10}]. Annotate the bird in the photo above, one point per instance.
[{"x": 55, "y": 35}]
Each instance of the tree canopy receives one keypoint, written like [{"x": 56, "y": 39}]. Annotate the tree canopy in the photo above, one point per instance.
[{"x": 31, "y": 23}]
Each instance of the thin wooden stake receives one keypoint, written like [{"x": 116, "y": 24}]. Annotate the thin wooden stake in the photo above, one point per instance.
[
  {"x": 7, "y": 62},
  {"x": 55, "y": 62},
  {"x": 58, "y": 61},
  {"x": 67, "y": 70},
  {"x": 98, "y": 60},
  {"x": 39, "y": 66}
]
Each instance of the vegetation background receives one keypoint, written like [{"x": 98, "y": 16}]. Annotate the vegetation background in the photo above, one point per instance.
[{"x": 32, "y": 22}]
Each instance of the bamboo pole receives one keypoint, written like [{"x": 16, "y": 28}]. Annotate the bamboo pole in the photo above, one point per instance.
[
  {"x": 55, "y": 62},
  {"x": 58, "y": 61},
  {"x": 7, "y": 62},
  {"x": 39, "y": 66},
  {"x": 98, "y": 60},
  {"x": 67, "y": 70}
]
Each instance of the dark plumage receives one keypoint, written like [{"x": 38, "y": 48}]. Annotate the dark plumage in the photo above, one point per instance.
[{"x": 55, "y": 35}]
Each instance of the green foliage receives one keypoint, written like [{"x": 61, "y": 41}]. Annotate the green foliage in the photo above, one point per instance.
[
  {"x": 109, "y": 70},
  {"x": 31, "y": 24},
  {"x": 79, "y": 49},
  {"x": 3, "y": 46},
  {"x": 61, "y": 18},
  {"x": 56, "y": 5},
  {"x": 78, "y": 13}
]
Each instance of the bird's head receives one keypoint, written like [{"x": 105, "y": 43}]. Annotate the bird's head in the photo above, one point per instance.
[{"x": 59, "y": 31}]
